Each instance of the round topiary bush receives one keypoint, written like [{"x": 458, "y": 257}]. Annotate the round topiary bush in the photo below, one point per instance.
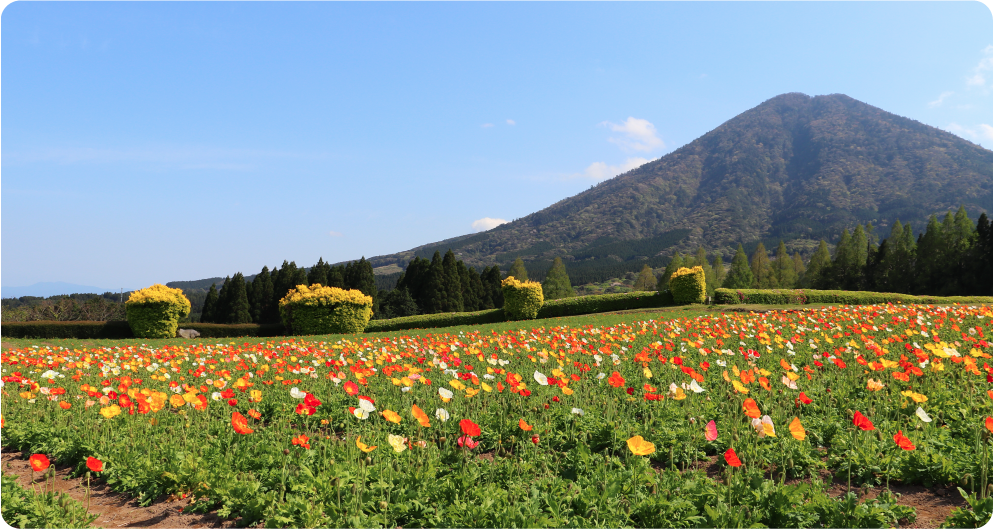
[
  {"x": 154, "y": 312},
  {"x": 688, "y": 285},
  {"x": 521, "y": 299},
  {"x": 318, "y": 309}
]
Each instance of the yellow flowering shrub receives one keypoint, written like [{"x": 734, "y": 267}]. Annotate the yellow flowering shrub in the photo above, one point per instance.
[
  {"x": 318, "y": 309},
  {"x": 688, "y": 285},
  {"x": 154, "y": 312},
  {"x": 521, "y": 299}
]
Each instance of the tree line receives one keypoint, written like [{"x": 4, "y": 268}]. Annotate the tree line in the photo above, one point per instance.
[{"x": 949, "y": 258}]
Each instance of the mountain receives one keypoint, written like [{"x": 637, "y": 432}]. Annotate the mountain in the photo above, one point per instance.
[
  {"x": 44, "y": 290},
  {"x": 795, "y": 167}
]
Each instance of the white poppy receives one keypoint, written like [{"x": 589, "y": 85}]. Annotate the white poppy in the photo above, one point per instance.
[
  {"x": 578, "y": 411},
  {"x": 445, "y": 393},
  {"x": 297, "y": 394},
  {"x": 360, "y": 413},
  {"x": 441, "y": 414},
  {"x": 366, "y": 405},
  {"x": 540, "y": 378},
  {"x": 923, "y": 414}
]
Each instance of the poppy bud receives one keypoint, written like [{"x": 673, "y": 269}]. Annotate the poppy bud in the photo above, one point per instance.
[
  {"x": 383, "y": 505},
  {"x": 286, "y": 451},
  {"x": 535, "y": 439}
]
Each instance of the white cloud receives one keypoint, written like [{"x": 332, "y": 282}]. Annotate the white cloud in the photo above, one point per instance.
[
  {"x": 336, "y": 234},
  {"x": 983, "y": 132},
  {"x": 986, "y": 131},
  {"x": 486, "y": 223},
  {"x": 959, "y": 130},
  {"x": 601, "y": 171},
  {"x": 639, "y": 135},
  {"x": 486, "y": 125},
  {"x": 511, "y": 122},
  {"x": 940, "y": 100},
  {"x": 978, "y": 77}
]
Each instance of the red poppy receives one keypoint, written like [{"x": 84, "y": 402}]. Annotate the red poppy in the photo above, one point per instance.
[
  {"x": 311, "y": 400},
  {"x": 302, "y": 440},
  {"x": 630, "y": 391},
  {"x": 233, "y": 402},
  {"x": 616, "y": 380},
  {"x": 39, "y": 462},
  {"x": 732, "y": 458},
  {"x": 903, "y": 442},
  {"x": 303, "y": 409},
  {"x": 535, "y": 439},
  {"x": 469, "y": 428},
  {"x": 228, "y": 393},
  {"x": 862, "y": 422},
  {"x": 989, "y": 423},
  {"x": 351, "y": 388},
  {"x": 804, "y": 398},
  {"x": 94, "y": 464}
]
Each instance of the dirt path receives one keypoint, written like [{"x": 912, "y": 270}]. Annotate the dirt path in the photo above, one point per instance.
[{"x": 113, "y": 508}]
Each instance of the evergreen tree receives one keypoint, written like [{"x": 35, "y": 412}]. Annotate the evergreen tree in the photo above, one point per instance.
[
  {"x": 209, "y": 305},
  {"x": 396, "y": 303},
  {"x": 929, "y": 258},
  {"x": 491, "y": 279},
  {"x": 762, "y": 269},
  {"x": 646, "y": 280},
  {"x": 818, "y": 268},
  {"x": 452, "y": 284},
  {"x": 223, "y": 307},
  {"x": 336, "y": 276},
  {"x": 836, "y": 276},
  {"x": 982, "y": 258},
  {"x": 474, "y": 299},
  {"x": 469, "y": 301},
  {"x": 518, "y": 271},
  {"x": 783, "y": 268},
  {"x": 289, "y": 277},
  {"x": 557, "y": 284},
  {"x": 414, "y": 279},
  {"x": 860, "y": 252},
  {"x": 798, "y": 269},
  {"x": 675, "y": 263},
  {"x": 720, "y": 274},
  {"x": 360, "y": 276},
  {"x": 435, "y": 294},
  {"x": 318, "y": 273},
  {"x": 239, "y": 311},
  {"x": 740, "y": 275},
  {"x": 262, "y": 292}
]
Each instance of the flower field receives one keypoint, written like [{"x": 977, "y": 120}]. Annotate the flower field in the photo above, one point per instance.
[{"x": 548, "y": 426}]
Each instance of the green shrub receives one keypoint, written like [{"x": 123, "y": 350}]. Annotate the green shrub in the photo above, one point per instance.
[
  {"x": 428, "y": 321},
  {"x": 688, "y": 285},
  {"x": 66, "y": 329},
  {"x": 602, "y": 303},
  {"x": 29, "y": 508},
  {"x": 319, "y": 309},
  {"x": 154, "y": 312},
  {"x": 521, "y": 299},
  {"x": 727, "y": 296}
]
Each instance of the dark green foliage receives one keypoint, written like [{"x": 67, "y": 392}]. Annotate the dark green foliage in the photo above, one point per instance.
[
  {"x": 474, "y": 292},
  {"x": 517, "y": 270},
  {"x": 492, "y": 297},
  {"x": 783, "y": 268},
  {"x": 602, "y": 303},
  {"x": 67, "y": 329},
  {"x": 319, "y": 273},
  {"x": 208, "y": 314},
  {"x": 720, "y": 274},
  {"x": 799, "y": 269},
  {"x": 430, "y": 321},
  {"x": 740, "y": 275},
  {"x": 30, "y": 508},
  {"x": 727, "y": 296},
  {"x": 415, "y": 280},
  {"x": 264, "y": 308},
  {"x": 358, "y": 275},
  {"x": 434, "y": 288},
  {"x": 556, "y": 284},
  {"x": 336, "y": 277},
  {"x": 289, "y": 277},
  {"x": 239, "y": 310},
  {"x": 674, "y": 264},
  {"x": 646, "y": 280},
  {"x": 633, "y": 248},
  {"x": 223, "y": 307},
  {"x": 452, "y": 284},
  {"x": 396, "y": 303}
]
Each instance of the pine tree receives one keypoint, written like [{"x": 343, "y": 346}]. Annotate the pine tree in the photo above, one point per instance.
[
  {"x": 209, "y": 305},
  {"x": 762, "y": 268},
  {"x": 223, "y": 307},
  {"x": 798, "y": 269},
  {"x": 476, "y": 292},
  {"x": 720, "y": 274},
  {"x": 646, "y": 280},
  {"x": 435, "y": 294},
  {"x": 452, "y": 284},
  {"x": 360, "y": 276},
  {"x": 262, "y": 291},
  {"x": 818, "y": 267},
  {"x": 740, "y": 275},
  {"x": 783, "y": 267},
  {"x": 860, "y": 252},
  {"x": 929, "y": 257},
  {"x": 396, "y": 303},
  {"x": 239, "y": 311},
  {"x": 491, "y": 278},
  {"x": 982, "y": 257},
  {"x": 675, "y": 263},
  {"x": 336, "y": 276},
  {"x": 414, "y": 279},
  {"x": 518, "y": 271},
  {"x": 318, "y": 273},
  {"x": 557, "y": 284}
]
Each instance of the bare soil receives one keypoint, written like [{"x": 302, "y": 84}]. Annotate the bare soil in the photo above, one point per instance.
[{"x": 114, "y": 509}]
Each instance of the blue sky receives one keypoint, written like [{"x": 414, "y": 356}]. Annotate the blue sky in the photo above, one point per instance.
[{"x": 155, "y": 142}]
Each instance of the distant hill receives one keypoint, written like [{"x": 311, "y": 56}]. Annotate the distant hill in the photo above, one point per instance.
[
  {"x": 795, "y": 167},
  {"x": 56, "y": 288}
]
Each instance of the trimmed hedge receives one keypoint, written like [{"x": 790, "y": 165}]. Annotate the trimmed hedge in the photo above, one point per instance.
[
  {"x": 603, "y": 303},
  {"x": 318, "y": 309},
  {"x": 521, "y": 299},
  {"x": 688, "y": 285},
  {"x": 66, "y": 329},
  {"x": 154, "y": 312},
  {"x": 727, "y": 296},
  {"x": 445, "y": 319}
]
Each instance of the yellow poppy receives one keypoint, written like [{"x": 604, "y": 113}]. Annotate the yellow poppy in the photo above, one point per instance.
[{"x": 640, "y": 447}]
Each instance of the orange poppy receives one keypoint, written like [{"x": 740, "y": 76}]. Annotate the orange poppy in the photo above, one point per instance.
[
  {"x": 469, "y": 428},
  {"x": 39, "y": 462},
  {"x": 796, "y": 429},
  {"x": 862, "y": 422},
  {"x": 421, "y": 417},
  {"x": 240, "y": 424},
  {"x": 391, "y": 416},
  {"x": 525, "y": 426},
  {"x": 616, "y": 380},
  {"x": 362, "y": 446},
  {"x": 732, "y": 458},
  {"x": 254, "y": 414},
  {"x": 94, "y": 464},
  {"x": 903, "y": 442},
  {"x": 989, "y": 423},
  {"x": 64, "y": 405},
  {"x": 751, "y": 408}
]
